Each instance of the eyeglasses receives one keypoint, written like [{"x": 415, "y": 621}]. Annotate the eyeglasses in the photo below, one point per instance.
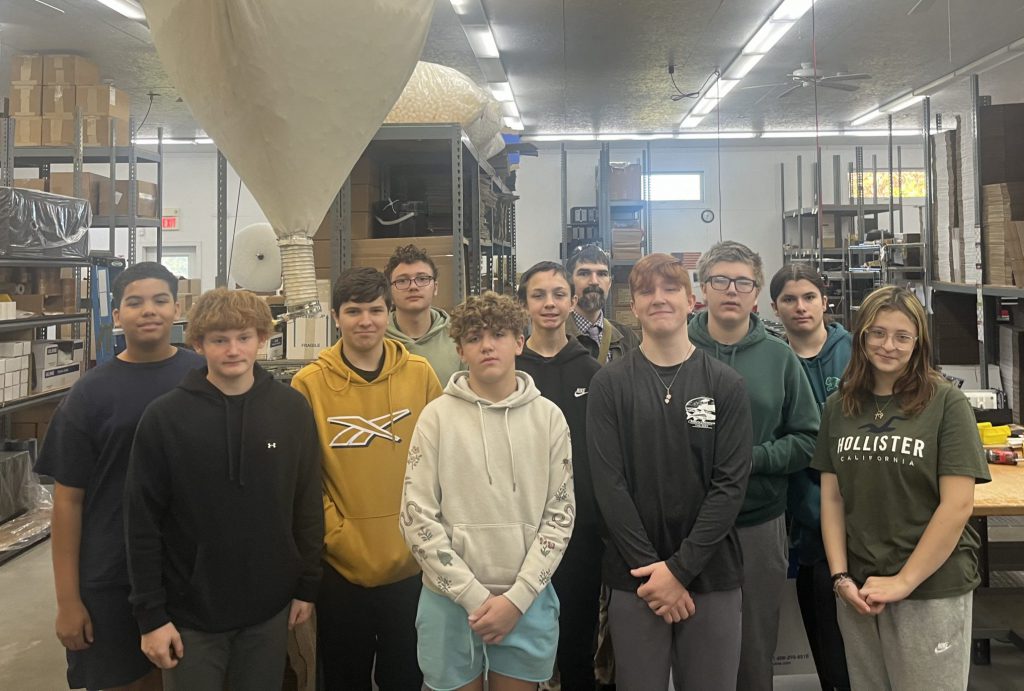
[
  {"x": 406, "y": 283},
  {"x": 901, "y": 339},
  {"x": 722, "y": 283}
]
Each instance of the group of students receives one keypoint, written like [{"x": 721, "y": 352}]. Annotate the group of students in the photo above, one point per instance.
[{"x": 570, "y": 483}]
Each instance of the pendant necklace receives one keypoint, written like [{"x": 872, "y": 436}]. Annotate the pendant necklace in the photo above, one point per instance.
[
  {"x": 668, "y": 389},
  {"x": 880, "y": 412}
]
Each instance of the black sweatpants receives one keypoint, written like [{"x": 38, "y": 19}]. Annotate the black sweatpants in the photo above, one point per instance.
[
  {"x": 818, "y": 609},
  {"x": 577, "y": 583},
  {"x": 358, "y": 627}
]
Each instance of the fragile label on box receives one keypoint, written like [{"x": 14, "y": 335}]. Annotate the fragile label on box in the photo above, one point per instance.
[{"x": 307, "y": 336}]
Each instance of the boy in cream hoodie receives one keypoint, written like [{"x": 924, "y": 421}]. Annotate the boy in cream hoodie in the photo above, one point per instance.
[
  {"x": 488, "y": 510},
  {"x": 366, "y": 392}
]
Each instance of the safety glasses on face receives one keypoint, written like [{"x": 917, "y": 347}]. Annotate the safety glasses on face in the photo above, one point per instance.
[
  {"x": 901, "y": 340},
  {"x": 722, "y": 283},
  {"x": 421, "y": 281}
]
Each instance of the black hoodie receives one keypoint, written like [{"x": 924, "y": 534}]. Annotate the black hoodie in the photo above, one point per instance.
[
  {"x": 223, "y": 506},
  {"x": 564, "y": 379}
]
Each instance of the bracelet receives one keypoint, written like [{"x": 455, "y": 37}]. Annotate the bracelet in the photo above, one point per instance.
[
  {"x": 840, "y": 579},
  {"x": 840, "y": 575}
]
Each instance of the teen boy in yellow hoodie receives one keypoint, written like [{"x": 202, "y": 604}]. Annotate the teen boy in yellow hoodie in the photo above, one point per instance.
[{"x": 367, "y": 392}]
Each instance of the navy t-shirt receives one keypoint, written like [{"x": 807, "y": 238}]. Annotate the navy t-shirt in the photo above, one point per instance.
[{"x": 88, "y": 445}]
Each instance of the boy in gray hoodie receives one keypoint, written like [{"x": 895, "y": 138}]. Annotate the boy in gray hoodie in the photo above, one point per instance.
[{"x": 488, "y": 510}]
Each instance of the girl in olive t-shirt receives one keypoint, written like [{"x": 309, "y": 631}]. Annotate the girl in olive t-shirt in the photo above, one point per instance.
[{"x": 899, "y": 456}]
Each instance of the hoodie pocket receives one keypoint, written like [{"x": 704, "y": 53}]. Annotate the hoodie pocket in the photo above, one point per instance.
[{"x": 494, "y": 553}]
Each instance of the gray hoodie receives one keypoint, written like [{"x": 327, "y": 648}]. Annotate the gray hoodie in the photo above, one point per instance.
[
  {"x": 488, "y": 505},
  {"x": 435, "y": 345}
]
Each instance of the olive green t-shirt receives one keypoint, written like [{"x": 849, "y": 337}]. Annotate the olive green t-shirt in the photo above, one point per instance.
[{"x": 888, "y": 472}]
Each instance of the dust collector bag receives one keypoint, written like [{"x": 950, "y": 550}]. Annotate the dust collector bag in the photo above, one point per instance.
[{"x": 38, "y": 224}]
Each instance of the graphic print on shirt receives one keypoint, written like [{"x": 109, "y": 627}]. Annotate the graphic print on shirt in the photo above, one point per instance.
[
  {"x": 881, "y": 445},
  {"x": 700, "y": 412},
  {"x": 831, "y": 384},
  {"x": 359, "y": 432}
]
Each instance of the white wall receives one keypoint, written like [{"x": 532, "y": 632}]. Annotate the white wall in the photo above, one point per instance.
[{"x": 748, "y": 209}]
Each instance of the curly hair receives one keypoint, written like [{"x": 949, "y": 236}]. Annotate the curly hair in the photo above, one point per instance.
[
  {"x": 487, "y": 311},
  {"x": 221, "y": 309},
  {"x": 409, "y": 254}
]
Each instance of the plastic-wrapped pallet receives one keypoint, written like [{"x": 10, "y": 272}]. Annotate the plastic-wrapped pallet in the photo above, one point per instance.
[{"x": 40, "y": 224}]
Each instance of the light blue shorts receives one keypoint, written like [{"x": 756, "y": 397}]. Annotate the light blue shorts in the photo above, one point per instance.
[{"x": 451, "y": 655}]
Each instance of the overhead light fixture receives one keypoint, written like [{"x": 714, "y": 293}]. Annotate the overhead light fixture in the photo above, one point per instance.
[
  {"x": 716, "y": 135},
  {"x": 513, "y": 123},
  {"x": 462, "y": 6},
  {"x": 52, "y": 7},
  {"x": 691, "y": 121},
  {"x": 510, "y": 109},
  {"x": 704, "y": 106},
  {"x": 149, "y": 141},
  {"x": 791, "y": 10},
  {"x": 902, "y": 103},
  {"x": 502, "y": 91},
  {"x": 128, "y": 8},
  {"x": 742, "y": 65},
  {"x": 770, "y": 33},
  {"x": 881, "y": 133},
  {"x": 799, "y": 134},
  {"x": 866, "y": 117},
  {"x": 481, "y": 40},
  {"x": 721, "y": 87}
]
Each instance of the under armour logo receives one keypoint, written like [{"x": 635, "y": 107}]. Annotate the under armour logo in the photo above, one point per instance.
[
  {"x": 580, "y": 392},
  {"x": 271, "y": 444},
  {"x": 358, "y": 431}
]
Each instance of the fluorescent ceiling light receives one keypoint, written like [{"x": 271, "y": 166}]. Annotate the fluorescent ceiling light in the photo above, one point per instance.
[
  {"x": 691, "y": 121},
  {"x": 513, "y": 123},
  {"x": 866, "y": 117},
  {"x": 481, "y": 40},
  {"x": 799, "y": 134},
  {"x": 462, "y": 6},
  {"x": 614, "y": 137},
  {"x": 721, "y": 87},
  {"x": 791, "y": 10},
  {"x": 128, "y": 8},
  {"x": 932, "y": 87},
  {"x": 902, "y": 103},
  {"x": 717, "y": 135},
  {"x": 882, "y": 133},
  {"x": 767, "y": 36},
  {"x": 52, "y": 7},
  {"x": 704, "y": 106},
  {"x": 742, "y": 65},
  {"x": 502, "y": 91},
  {"x": 173, "y": 142}
]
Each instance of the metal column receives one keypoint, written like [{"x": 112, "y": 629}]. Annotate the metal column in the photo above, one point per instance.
[
  {"x": 222, "y": 220},
  {"x": 160, "y": 194},
  {"x": 929, "y": 193},
  {"x": 133, "y": 194},
  {"x": 983, "y": 323},
  {"x": 564, "y": 174},
  {"x": 462, "y": 276}
]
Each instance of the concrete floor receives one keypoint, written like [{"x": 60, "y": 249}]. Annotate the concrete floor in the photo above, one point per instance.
[{"x": 31, "y": 659}]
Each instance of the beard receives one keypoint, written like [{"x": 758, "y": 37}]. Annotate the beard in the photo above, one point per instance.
[{"x": 591, "y": 299}]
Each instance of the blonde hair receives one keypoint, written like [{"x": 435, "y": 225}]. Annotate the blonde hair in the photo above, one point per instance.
[
  {"x": 221, "y": 309},
  {"x": 730, "y": 251}
]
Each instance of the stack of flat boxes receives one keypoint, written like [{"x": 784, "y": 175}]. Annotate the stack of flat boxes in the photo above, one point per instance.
[
  {"x": 1011, "y": 345},
  {"x": 14, "y": 363},
  {"x": 56, "y": 364},
  {"x": 1003, "y": 230}
]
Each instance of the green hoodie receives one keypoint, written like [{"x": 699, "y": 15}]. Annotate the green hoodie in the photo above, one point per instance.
[
  {"x": 435, "y": 345},
  {"x": 784, "y": 412}
]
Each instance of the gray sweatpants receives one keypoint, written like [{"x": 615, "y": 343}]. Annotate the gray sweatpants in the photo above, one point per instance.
[
  {"x": 765, "y": 563},
  {"x": 912, "y": 645},
  {"x": 702, "y": 652},
  {"x": 249, "y": 659}
]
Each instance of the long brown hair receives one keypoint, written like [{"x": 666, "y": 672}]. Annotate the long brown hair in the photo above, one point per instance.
[{"x": 916, "y": 386}]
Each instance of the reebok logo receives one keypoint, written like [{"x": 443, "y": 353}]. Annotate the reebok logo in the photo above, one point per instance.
[
  {"x": 580, "y": 392},
  {"x": 942, "y": 647},
  {"x": 359, "y": 432}
]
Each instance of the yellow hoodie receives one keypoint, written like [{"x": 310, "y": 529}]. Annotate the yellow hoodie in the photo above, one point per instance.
[{"x": 364, "y": 431}]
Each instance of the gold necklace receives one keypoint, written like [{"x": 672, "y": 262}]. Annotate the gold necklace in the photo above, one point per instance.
[
  {"x": 668, "y": 389},
  {"x": 880, "y": 412}
]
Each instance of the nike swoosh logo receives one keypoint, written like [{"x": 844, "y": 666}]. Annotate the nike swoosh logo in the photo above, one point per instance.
[
  {"x": 942, "y": 647},
  {"x": 580, "y": 393}
]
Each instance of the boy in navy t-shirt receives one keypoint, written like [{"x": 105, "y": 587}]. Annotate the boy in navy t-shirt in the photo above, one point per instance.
[{"x": 86, "y": 451}]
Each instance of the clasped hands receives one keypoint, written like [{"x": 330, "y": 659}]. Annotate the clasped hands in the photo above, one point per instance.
[{"x": 663, "y": 593}]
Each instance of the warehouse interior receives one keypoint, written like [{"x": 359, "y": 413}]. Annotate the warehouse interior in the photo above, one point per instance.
[{"x": 881, "y": 142}]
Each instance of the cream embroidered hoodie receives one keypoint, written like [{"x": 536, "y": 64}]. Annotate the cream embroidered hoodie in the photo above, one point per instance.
[{"x": 488, "y": 505}]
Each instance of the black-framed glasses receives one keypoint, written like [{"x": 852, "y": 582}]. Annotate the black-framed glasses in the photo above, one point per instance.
[
  {"x": 722, "y": 283},
  {"x": 421, "y": 281}
]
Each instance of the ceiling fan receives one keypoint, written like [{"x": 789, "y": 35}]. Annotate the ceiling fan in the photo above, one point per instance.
[{"x": 806, "y": 76}]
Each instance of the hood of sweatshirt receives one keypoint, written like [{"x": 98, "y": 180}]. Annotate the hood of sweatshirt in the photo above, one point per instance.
[
  {"x": 435, "y": 345},
  {"x": 196, "y": 382},
  {"x": 699, "y": 334},
  {"x": 825, "y": 369},
  {"x": 573, "y": 350}
]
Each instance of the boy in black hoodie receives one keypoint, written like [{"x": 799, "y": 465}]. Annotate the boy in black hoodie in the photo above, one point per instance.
[
  {"x": 562, "y": 369},
  {"x": 223, "y": 511}
]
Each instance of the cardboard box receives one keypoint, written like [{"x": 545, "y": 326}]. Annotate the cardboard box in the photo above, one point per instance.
[
  {"x": 14, "y": 349},
  {"x": 59, "y": 101},
  {"x": 23, "y": 377},
  {"x": 38, "y": 303},
  {"x": 624, "y": 182},
  {"x": 28, "y": 131},
  {"x": 26, "y": 100},
  {"x": 70, "y": 350},
  {"x": 96, "y": 131},
  {"x": 64, "y": 183},
  {"x": 69, "y": 69},
  {"x": 190, "y": 286},
  {"x": 59, "y": 377},
  {"x": 307, "y": 336},
  {"x": 272, "y": 348},
  {"x": 11, "y": 379},
  {"x": 45, "y": 354},
  {"x": 363, "y": 197},
  {"x": 38, "y": 184},
  {"x": 27, "y": 69},
  {"x": 59, "y": 131},
  {"x": 103, "y": 100},
  {"x": 145, "y": 204},
  {"x": 23, "y": 392},
  {"x": 10, "y": 393},
  {"x": 23, "y": 360},
  {"x": 185, "y": 302},
  {"x": 365, "y": 172}
]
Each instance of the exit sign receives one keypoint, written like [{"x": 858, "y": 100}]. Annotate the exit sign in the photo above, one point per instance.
[{"x": 170, "y": 220}]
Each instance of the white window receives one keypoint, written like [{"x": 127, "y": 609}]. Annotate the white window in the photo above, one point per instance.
[
  {"x": 180, "y": 260},
  {"x": 676, "y": 187}
]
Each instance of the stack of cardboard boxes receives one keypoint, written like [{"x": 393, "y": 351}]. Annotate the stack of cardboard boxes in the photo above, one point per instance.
[
  {"x": 14, "y": 369},
  {"x": 188, "y": 290},
  {"x": 1003, "y": 232},
  {"x": 365, "y": 190},
  {"x": 56, "y": 364},
  {"x": 45, "y": 91}
]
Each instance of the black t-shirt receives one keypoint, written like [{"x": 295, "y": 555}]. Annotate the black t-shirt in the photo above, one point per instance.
[
  {"x": 366, "y": 374},
  {"x": 88, "y": 445}
]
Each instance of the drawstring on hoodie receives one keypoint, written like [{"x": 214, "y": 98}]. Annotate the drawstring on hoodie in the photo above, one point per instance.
[
  {"x": 487, "y": 454},
  {"x": 511, "y": 451}
]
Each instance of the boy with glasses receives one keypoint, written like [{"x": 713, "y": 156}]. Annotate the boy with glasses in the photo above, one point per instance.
[
  {"x": 415, "y": 323},
  {"x": 590, "y": 270},
  {"x": 785, "y": 423}
]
